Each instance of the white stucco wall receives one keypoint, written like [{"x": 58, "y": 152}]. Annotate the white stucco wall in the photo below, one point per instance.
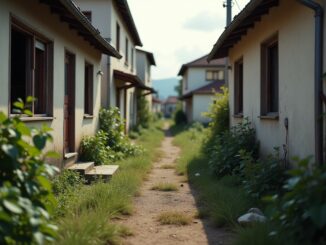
[
  {"x": 201, "y": 104},
  {"x": 295, "y": 30},
  {"x": 106, "y": 20},
  {"x": 39, "y": 18}
]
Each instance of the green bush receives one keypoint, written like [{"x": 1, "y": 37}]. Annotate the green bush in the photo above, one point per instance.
[
  {"x": 301, "y": 211},
  {"x": 110, "y": 143},
  {"x": 219, "y": 113},
  {"x": 180, "y": 117},
  {"x": 25, "y": 190},
  {"x": 65, "y": 186},
  {"x": 224, "y": 150},
  {"x": 144, "y": 116},
  {"x": 262, "y": 177},
  {"x": 93, "y": 148}
]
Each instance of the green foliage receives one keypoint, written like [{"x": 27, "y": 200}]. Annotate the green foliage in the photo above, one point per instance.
[
  {"x": 262, "y": 177},
  {"x": 25, "y": 190},
  {"x": 144, "y": 116},
  {"x": 301, "y": 211},
  {"x": 65, "y": 186},
  {"x": 219, "y": 113},
  {"x": 110, "y": 143},
  {"x": 224, "y": 150},
  {"x": 180, "y": 117}
]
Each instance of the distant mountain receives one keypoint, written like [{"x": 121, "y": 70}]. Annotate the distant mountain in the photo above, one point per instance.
[{"x": 165, "y": 87}]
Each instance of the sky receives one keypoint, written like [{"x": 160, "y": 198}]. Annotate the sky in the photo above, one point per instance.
[{"x": 179, "y": 31}]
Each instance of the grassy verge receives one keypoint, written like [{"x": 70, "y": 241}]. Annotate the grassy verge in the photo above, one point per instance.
[
  {"x": 164, "y": 187},
  {"x": 174, "y": 218},
  {"x": 88, "y": 214},
  {"x": 221, "y": 200}
]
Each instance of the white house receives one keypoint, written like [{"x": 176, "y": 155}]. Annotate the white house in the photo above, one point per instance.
[
  {"x": 145, "y": 60},
  {"x": 50, "y": 50},
  {"x": 115, "y": 22},
  {"x": 170, "y": 106},
  {"x": 276, "y": 55},
  {"x": 200, "y": 80}
]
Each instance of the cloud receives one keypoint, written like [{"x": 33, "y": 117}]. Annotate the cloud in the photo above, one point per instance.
[{"x": 204, "y": 22}]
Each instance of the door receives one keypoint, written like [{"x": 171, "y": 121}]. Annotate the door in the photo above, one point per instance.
[{"x": 69, "y": 104}]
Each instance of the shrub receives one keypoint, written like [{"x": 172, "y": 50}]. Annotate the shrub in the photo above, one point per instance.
[
  {"x": 225, "y": 149},
  {"x": 93, "y": 148},
  {"x": 25, "y": 190},
  {"x": 301, "y": 211},
  {"x": 65, "y": 186},
  {"x": 144, "y": 116},
  {"x": 262, "y": 177},
  {"x": 180, "y": 117},
  {"x": 219, "y": 112}
]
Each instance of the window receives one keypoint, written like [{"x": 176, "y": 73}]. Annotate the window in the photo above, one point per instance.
[
  {"x": 127, "y": 51},
  {"x": 238, "y": 87},
  {"x": 88, "y": 102},
  {"x": 118, "y": 38},
  {"x": 88, "y": 15},
  {"x": 30, "y": 69},
  {"x": 214, "y": 75},
  {"x": 269, "y": 77}
]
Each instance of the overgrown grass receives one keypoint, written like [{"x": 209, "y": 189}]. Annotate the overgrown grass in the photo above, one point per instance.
[
  {"x": 88, "y": 215},
  {"x": 221, "y": 200},
  {"x": 174, "y": 218},
  {"x": 164, "y": 187}
]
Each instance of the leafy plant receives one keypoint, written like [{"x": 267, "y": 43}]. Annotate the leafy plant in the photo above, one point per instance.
[
  {"x": 180, "y": 117},
  {"x": 144, "y": 116},
  {"x": 225, "y": 148},
  {"x": 262, "y": 177},
  {"x": 301, "y": 211},
  {"x": 26, "y": 198}
]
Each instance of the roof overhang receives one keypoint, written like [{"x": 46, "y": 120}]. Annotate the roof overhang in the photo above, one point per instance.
[
  {"x": 239, "y": 27},
  {"x": 149, "y": 55},
  {"x": 131, "y": 81},
  {"x": 124, "y": 10},
  {"x": 76, "y": 20}
]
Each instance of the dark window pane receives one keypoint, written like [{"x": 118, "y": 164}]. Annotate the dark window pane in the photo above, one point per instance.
[
  {"x": 273, "y": 77},
  {"x": 40, "y": 79},
  {"x": 88, "y": 102}
]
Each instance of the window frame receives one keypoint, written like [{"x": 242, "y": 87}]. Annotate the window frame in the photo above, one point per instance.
[
  {"x": 215, "y": 74},
  {"x": 238, "y": 87},
  {"x": 127, "y": 52},
  {"x": 267, "y": 98},
  {"x": 88, "y": 15},
  {"x": 117, "y": 40},
  {"x": 20, "y": 26},
  {"x": 88, "y": 89}
]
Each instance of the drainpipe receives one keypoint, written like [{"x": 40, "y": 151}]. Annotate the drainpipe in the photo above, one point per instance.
[{"x": 318, "y": 9}]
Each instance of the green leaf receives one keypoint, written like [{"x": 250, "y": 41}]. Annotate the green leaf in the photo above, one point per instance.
[
  {"x": 23, "y": 129},
  {"x": 28, "y": 112},
  {"x": 19, "y": 105},
  {"x": 39, "y": 237},
  {"x": 52, "y": 154},
  {"x": 39, "y": 141},
  {"x": 12, "y": 207},
  {"x": 318, "y": 215},
  {"x": 2, "y": 117},
  {"x": 10, "y": 150},
  {"x": 30, "y": 99}
]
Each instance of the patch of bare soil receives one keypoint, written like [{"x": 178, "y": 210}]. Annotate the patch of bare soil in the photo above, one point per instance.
[{"x": 150, "y": 204}]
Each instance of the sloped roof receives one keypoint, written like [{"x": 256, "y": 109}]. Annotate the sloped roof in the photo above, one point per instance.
[
  {"x": 124, "y": 11},
  {"x": 156, "y": 100},
  {"x": 201, "y": 62},
  {"x": 211, "y": 88},
  {"x": 150, "y": 56},
  {"x": 240, "y": 25},
  {"x": 171, "y": 100},
  {"x": 70, "y": 13},
  {"x": 132, "y": 79}
]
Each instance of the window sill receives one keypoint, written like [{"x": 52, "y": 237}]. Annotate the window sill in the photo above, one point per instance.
[
  {"x": 87, "y": 116},
  {"x": 239, "y": 115},
  {"x": 269, "y": 116},
  {"x": 35, "y": 119}
]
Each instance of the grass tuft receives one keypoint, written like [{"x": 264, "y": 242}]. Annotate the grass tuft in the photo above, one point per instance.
[
  {"x": 174, "y": 218},
  {"x": 164, "y": 187},
  {"x": 168, "y": 166}
]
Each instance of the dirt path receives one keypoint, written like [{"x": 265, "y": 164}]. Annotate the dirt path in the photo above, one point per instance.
[{"x": 150, "y": 204}]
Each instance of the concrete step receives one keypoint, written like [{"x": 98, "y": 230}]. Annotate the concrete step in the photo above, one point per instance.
[
  {"x": 69, "y": 159},
  {"x": 82, "y": 167},
  {"x": 104, "y": 171}
]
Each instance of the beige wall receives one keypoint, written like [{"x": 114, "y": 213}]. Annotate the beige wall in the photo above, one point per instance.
[
  {"x": 201, "y": 104},
  {"x": 39, "y": 17},
  {"x": 295, "y": 30}
]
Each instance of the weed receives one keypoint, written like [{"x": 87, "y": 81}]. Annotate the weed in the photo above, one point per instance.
[
  {"x": 164, "y": 187},
  {"x": 174, "y": 218},
  {"x": 168, "y": 166}
]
